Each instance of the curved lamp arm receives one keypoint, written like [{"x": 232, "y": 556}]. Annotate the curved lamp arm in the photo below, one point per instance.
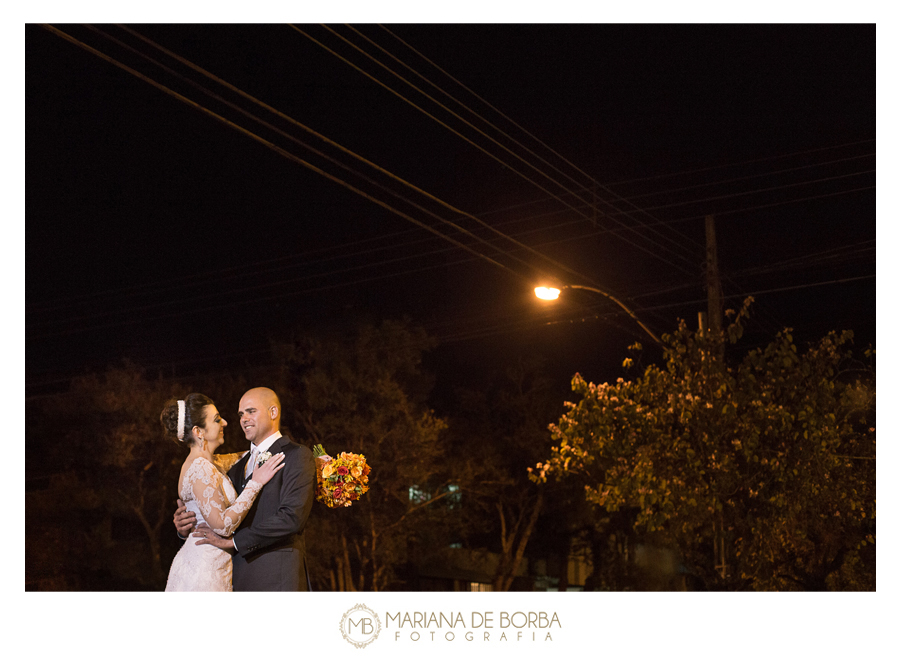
[{"x": 553, "y": 293}]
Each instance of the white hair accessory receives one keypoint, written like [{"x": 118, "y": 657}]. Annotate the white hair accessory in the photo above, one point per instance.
[{"x": 180, "y": 433}]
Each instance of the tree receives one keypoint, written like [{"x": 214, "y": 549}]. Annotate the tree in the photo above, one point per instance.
[
  {"x": 122, "y": 470},
  {"x": 115, "y": 482},
  {"x": 501, "y": 429},
  {"x": 366, "y": 395},
  {"x": 761, "y": 474}
]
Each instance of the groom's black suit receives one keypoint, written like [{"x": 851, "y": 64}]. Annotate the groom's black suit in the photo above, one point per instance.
[{"x": 271, "y": 552}]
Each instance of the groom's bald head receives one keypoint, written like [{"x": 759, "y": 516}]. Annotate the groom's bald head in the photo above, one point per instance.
[{"x": 260, "y": 414}]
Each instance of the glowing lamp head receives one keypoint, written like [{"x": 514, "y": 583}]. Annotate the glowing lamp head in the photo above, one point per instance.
[{"x": 546, "y": 293}]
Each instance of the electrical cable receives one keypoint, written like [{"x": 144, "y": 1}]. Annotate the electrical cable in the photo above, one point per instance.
[
  {"x": 274, "y": 147},
  {"x": 445, "y": 125},
  {"x": 478, "y": 255},
  {"x": 594, "y": 182},
  {"x": 281, "y": 151}
]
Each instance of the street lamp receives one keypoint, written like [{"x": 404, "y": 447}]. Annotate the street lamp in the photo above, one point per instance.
[
  {"x": 546, "y": 293},
  {"x": 550, "y": 294}
]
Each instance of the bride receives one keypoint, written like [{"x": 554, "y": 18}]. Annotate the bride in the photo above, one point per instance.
[{"x": 208, "y": 492}]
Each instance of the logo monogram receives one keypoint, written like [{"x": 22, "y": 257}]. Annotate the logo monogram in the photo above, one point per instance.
[{"x": 360, "y": 626}]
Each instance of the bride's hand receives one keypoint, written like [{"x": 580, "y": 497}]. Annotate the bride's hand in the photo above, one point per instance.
[{"x": 264, "y": 473}]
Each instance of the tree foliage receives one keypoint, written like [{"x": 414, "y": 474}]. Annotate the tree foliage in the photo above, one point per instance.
[
  {"x": 761, "y": 474},
  {"x": 135, "y": 469},
  {"x": 366, "y": 395},
  {"x": 113, "y": 494},
  {"x": 501, "y": 429}
]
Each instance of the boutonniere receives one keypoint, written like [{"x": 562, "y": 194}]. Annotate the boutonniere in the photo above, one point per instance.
[{"x": 263, "y": 457}]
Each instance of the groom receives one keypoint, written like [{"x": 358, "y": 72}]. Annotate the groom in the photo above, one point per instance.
[{"x": 270, "y": 553}]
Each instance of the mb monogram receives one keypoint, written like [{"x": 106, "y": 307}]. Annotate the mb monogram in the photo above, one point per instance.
[{"x": 360, "y": 626}]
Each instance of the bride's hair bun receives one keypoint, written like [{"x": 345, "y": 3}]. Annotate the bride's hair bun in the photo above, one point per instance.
[{"x": 194, "y": 414}]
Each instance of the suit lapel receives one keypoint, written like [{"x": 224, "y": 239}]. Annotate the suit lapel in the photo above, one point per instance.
[
  {"x": 279, "y": 444},
  {"x": 237, "y": 471},
  {"x": 236, "y": 474}
]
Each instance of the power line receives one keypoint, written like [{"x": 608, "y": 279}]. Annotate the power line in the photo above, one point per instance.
[
  {"x": 751, "y": 176},
  {"x": 318, "y": 170},
  {"x": 504, "y": 133},
  {"x": 761, "y": 190},
  {"x": 339, "y": 285},
  {"x": 361, "y": 159},
  {"x": 495, "y": 328},
  {"x": 275, "y": 265},
  {"x": 495, "y": 109},
  {"x": 197, "y": 68},
  {"x": 445, "y": 125},
  {"x": 738, "y": 164},
  {"x": 663, "y": 191},
  {"x": 643, "y": 211},
  {"x": 276, "y": 148},
  {"x": 767, "y": 291},
  {"x": 478, "y": 255}
]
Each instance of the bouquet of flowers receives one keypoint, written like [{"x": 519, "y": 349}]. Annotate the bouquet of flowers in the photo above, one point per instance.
[{"x": 341, "y": 480}]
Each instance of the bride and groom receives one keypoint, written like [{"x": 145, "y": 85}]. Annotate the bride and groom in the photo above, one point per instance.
[{"x": 251, "y": 507}]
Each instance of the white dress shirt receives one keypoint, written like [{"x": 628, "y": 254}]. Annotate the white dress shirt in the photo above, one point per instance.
[{"x": 261, "y": 448}]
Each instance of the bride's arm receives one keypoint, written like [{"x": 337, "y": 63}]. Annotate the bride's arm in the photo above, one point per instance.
[
  {"x": 206, "y": 484},
  {"x": 226, "y": 461}
]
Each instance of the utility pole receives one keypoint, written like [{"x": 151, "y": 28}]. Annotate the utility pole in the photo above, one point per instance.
[
  {"x": 715, "y": 311},
  {"x": 714, "y": 298}
]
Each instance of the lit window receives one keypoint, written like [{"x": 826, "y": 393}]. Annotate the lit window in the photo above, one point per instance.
[
  {"x": 481, "y": 587},
  {"x": 417, "y": 496}
]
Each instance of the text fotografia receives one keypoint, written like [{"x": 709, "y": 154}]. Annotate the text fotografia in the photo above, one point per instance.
[{"x": 482, "y": 626}]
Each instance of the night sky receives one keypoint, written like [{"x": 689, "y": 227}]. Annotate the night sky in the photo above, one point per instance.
[{"x": 163, "y": 235}]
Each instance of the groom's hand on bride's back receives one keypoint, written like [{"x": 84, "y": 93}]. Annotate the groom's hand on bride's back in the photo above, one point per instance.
[
  {"x": 207, "y": 536},
  {"x": 184, "y": 520}
]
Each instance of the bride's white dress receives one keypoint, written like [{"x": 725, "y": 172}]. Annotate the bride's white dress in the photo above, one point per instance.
[{"x": 209, "y": 494}]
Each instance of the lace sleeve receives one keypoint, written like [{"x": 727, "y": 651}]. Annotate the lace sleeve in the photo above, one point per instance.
[
  {"x": 206, "y": 486},
  {"x": 226, "y": 461}
]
